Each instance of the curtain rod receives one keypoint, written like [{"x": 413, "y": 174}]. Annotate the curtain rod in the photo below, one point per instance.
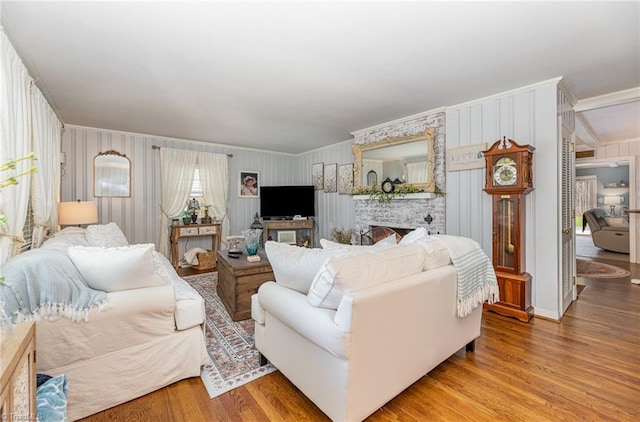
[{"x": 157, "y": 147}]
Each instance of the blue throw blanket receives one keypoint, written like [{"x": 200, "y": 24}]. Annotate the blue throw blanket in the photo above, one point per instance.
[
  {"x": 477, "y": 281},
  {"x": 44, "y": 283}
]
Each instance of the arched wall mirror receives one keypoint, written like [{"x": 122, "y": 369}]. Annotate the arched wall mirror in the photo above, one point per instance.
[
  {"x": 111, "y": 174},
  {"x": 404, "y": 159}
]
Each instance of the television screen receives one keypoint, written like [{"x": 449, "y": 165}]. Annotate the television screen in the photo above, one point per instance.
[{"x": 287, "y": 201}]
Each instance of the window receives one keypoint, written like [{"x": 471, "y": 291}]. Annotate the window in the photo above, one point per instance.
[{"x": 196, "y": 187}]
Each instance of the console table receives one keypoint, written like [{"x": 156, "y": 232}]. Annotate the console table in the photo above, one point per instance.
[
  {"x": 181, "y": 231},
  {"x": 303, "y": 229}
]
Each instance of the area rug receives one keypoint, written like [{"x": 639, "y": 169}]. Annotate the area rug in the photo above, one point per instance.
[
  {"x": 592, "y": 269},
  {"x": 234, "y": 358}
]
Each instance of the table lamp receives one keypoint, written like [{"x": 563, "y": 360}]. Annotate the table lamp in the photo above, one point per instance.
[
  {"x": 612, "y": 201},
  {"x": 77, "y": 213}
]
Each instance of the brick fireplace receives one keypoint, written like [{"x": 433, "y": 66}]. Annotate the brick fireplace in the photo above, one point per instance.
[{"x": 412, "y": 211}]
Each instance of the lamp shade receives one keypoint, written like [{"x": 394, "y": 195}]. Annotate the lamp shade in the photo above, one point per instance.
[
  {"x": 76, "y": 213},
  {"x": 612, "y": 200}
]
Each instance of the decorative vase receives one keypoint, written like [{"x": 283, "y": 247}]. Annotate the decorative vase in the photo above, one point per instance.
[
  {"x": 206, "y": 219},
  {"x": 186, "y": 220},
  {"x": 194, "y": 218},
  {"x": 252, "y": 239}
]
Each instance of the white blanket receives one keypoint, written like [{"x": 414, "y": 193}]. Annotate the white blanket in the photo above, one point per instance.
[
  {"x": 44, "y": 283},
  {"x": 477, "y": 281}
]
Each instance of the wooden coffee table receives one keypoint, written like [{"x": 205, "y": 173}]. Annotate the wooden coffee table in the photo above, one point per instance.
[{"x": 239, "y": 279}]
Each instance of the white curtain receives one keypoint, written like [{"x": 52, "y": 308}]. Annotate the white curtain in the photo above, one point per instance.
[
  {"x": 585, "y": 194},
  {"x": 176, "y": 178},
  {"x": 214, "y": 177},
  {"x": 417, "y": 172},
  {"x": 14, "y": 143},
  {"x": 46, "y": 180}
]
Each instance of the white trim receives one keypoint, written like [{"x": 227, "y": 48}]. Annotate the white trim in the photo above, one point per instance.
[
  {"x": 553, "y": 81},
  {"x": 188, "y": 141},
  {"x": 568, "y": 91},
  {"x": 399, "y": 121},
  {"x": 325, "y": 147},
  {"x": 545, "y": 313},
  {"x": 606, "y": 100}
]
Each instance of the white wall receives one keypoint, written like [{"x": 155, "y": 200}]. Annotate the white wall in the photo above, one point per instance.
[
  {"x": 528, "y": 116},
  {"x": 139, "y": 215},
  {"x": 332, "y": 209}
]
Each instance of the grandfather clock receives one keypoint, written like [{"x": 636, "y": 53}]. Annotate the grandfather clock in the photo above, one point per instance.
[{"x": 509, "y": 178}]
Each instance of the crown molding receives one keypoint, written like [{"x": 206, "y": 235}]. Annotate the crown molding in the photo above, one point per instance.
[{"x": 606, "y": 100}]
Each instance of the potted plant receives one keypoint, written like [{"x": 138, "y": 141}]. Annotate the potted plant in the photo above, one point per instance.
[{"x": 186, "y": 216}]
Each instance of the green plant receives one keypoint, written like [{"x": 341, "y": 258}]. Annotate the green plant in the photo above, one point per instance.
[
  {"x": 342, "y": 235},
  {"x": 385, "y": 198},
  {"x": 187, "y": 213},
  {"x": 399, "y": 192}
]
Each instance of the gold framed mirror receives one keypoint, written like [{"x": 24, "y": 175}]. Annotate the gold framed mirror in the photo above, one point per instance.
[
  {"x": 403, "y": 159},
  {"x": 111, "y": 174}
]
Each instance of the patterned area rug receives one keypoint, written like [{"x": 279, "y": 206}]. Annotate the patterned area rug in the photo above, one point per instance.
[
  {"x": 592, "y": 269},
  {"x": 234, "y": 358}
]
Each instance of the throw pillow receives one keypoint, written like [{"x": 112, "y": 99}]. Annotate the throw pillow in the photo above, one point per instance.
[
  {"x": 617, "y": 222},
  {"x": 340, "y": 275},
  {"x": 380, "y": 244},
  {"x": 71, "y": 230},
  {"x": 106, "y": 235},
  {"x": 436, "y": 253},
  {"x": 115, "y": 269},
  {"x": 51, "y": 399},
  {"x": 62, "y": 243},
  {"x": 295, "y": 267}
]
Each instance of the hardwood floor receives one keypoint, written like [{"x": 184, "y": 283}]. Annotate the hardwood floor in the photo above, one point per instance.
[
  {"x": 586, "y": 248},
  {"x": 585, "y": 368}
]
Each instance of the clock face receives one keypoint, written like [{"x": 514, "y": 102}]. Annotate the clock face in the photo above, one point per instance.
[
  {"x": 505, "y": 173},
  {"x": 387, "y": 186}
]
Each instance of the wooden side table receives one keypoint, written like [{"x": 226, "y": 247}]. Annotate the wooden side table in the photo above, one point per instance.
[
  {"x": 18, "y": 374},
  {"x": 302, "y": 228},
  {"x": 239, "y": 279},
  {"x": 181, "y": 231}
]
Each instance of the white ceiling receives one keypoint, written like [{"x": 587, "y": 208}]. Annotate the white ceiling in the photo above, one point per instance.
[{"x": 294, "y": 76}]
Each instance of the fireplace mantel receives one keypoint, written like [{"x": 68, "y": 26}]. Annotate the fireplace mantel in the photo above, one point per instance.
[{"x": 408, "y": 196}]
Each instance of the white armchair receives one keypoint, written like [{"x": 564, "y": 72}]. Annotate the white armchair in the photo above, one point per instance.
[{"x": 352, "y": 360}]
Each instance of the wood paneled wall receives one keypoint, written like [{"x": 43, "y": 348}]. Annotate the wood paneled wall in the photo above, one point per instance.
[
  {"x": 332, "y": 209},
  {"x": 139, "y": 215},
  {"x": 529, "y": 116}
]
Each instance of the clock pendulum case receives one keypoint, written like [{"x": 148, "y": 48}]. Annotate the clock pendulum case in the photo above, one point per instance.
[{"x": 509, "y": 179}]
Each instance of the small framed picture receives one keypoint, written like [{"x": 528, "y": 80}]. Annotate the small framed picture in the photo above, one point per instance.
[
  {"x": 330, "y": 178},
  {"x": 345, "y": 179},
  {"x": 466, "y": 157},
  {"x": 287, "y": 236},
  {"x": 317, "y": 175},
  {"x": 249, "y": 184}
]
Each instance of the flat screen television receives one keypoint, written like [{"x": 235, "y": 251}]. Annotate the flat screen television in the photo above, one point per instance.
[{"x": 285, "y": 202}]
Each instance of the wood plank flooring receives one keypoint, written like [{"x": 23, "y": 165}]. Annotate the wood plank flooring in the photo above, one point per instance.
[{"x": 585, "y": 368}]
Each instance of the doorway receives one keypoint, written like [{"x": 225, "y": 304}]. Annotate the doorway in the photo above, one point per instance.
[
  {"x": 586, "y": 198},
  {"x": 613, "y": 175}
]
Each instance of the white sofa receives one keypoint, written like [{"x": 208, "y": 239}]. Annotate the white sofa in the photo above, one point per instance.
[
  {"x": 133, "y": 342},
  {"x": 384, "y": 334}
]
